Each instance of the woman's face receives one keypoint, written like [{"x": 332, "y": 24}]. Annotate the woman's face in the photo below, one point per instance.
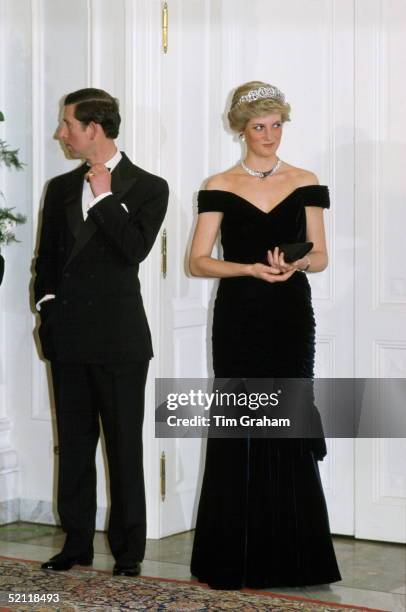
[{"x": 263, "y": 134}]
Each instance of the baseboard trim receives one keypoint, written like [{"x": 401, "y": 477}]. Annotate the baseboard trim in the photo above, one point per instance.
[{"x": 39, "y": 511}]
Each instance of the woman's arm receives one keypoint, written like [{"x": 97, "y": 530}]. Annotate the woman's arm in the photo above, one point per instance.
[
  {"x": 317, "y": 259},
  {"x": 202, "y": 264}
]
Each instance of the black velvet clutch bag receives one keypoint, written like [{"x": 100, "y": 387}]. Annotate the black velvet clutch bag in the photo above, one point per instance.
[{"x": 295, "y": 250}]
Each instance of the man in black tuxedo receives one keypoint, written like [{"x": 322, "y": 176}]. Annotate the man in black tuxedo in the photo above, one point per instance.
[{"x": 99, "y": 222}]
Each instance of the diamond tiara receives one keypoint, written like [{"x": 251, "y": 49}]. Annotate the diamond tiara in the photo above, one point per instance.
[{"x": 271, "y": 92}]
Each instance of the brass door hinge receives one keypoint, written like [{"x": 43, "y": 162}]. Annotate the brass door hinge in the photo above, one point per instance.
[
  {"x": 163, "y": 254},
  {"x": 165, "y": 27},
  {"x": 163, "y": 475}
]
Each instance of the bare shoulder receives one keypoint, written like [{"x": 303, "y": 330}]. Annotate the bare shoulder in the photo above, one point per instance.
[
  {"x": 222, "y": 181},
  {"x": 301, "y": 177},
  {"x": 306, "y": 178}
]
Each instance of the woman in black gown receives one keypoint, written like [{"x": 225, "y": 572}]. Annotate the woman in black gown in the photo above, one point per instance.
[{"x": 262, "y": 518}]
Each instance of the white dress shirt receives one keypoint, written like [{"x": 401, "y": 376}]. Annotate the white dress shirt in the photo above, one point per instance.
[{"x": 88, "y": 199}]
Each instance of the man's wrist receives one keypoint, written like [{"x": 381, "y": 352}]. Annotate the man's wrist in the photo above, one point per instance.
[{"x": 99, "y": 197}]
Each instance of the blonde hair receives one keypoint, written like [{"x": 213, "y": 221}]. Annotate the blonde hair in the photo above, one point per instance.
[{"x": 240, "y": 113}]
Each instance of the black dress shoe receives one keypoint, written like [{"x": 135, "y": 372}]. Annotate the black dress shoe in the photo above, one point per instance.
[
  {"x": 132, "y": 571},
  {"x": 63, "y": 562}
]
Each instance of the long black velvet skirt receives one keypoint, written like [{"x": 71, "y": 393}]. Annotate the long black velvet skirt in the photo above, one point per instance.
[{"x": 262, "y": 518}]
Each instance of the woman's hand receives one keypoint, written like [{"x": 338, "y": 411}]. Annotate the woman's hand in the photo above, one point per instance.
[
  {"x": 277, "y": 262},
  {"x": 270, "y": 274}
]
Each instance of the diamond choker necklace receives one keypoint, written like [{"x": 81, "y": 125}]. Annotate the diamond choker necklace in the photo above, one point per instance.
[{"x": 260, "y": 174}]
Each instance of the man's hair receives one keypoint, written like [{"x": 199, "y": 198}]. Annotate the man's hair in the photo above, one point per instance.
[{"x": 98, "y": 106}]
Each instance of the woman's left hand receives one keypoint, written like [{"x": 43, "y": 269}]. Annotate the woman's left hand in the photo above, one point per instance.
[{"x": 276, "y": 260}]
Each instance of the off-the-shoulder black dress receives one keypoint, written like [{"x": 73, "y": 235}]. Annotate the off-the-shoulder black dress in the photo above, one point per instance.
[{"x": 262, "y": 518}]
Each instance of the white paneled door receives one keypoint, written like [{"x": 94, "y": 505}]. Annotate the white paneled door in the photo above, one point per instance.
[
  {"x": 306, "y": 50},
  {"x": 185, "y": 162},
  {"x": 352, "y": 133},
  {"x": 380, "y": 287}
]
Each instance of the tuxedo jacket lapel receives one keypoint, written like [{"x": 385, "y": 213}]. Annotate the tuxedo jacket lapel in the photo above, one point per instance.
[
  {"x": 82, "y": 230},
  {"x": 73, "y": 200},
  {"x": 87, "y": 229},
  {"x": 123, "y": 177}
]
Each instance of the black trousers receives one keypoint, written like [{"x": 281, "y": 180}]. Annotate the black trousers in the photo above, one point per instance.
[{"x": 114, "y": 394}]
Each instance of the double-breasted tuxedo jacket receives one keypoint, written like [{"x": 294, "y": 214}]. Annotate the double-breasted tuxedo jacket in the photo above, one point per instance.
[
  {"x": 96, "y": 335},
  {"x": 91, "y": 267}
]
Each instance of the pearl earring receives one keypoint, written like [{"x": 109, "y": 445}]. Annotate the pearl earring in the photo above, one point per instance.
[{"x": 242, "y": 137}]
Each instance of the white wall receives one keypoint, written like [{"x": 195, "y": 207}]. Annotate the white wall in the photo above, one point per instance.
[
  {"x": 48, "y": 48},
  {"x": 313, "y": 50},
  {"x": 15, "y": 318}
]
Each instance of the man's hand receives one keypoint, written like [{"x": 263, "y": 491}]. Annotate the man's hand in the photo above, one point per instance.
[{"x": 99, "y": 179}]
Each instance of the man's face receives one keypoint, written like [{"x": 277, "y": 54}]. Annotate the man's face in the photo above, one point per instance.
[{"x": 75, "y": 136}]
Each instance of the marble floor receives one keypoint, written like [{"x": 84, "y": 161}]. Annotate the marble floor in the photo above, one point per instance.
[{"x": 374, "y": 573}]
